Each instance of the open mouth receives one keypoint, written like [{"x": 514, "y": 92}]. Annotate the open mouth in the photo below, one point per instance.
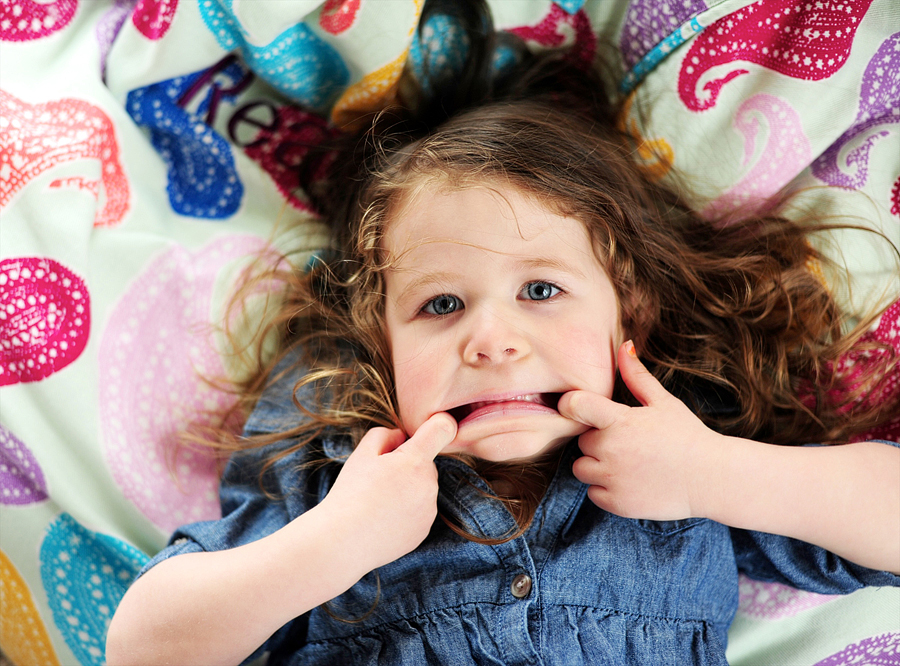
[{"x": 550, "y": 400}]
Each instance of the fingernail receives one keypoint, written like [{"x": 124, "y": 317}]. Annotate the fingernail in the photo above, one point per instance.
[{"x": 629, "y": 349}]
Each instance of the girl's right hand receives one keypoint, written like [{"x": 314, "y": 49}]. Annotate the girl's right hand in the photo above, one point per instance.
[{"x": 387, "y": 490}]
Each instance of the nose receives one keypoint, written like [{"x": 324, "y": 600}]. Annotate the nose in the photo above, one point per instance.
[{"x": 492, "y": 338}]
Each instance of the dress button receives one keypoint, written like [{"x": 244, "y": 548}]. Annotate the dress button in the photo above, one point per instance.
[{"x": 521, "y": 586}]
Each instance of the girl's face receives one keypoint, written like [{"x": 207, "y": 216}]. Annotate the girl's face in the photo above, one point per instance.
[{"x": 495, "y": 307}]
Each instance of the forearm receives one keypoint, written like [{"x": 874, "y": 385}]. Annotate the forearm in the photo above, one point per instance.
[
  {"x": 218, "y": 607},
  {"x": 843, "y": 498}
]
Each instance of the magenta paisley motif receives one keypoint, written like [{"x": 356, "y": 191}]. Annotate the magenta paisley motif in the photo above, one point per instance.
[
  {"x": 773, "y": 601},
  {"x": 561, "y": 30},
  {"x": 648, "y": 22},
  {"x": 786, "y": 153},
  {"x": 797, "y": 38},
  {"x": 45, "y": 318},
  {"x": 881, "y": 650},
  {"x": 152, "y": 18},
  {"x": 851, "y": 366},
  {"x": 282, "y": 147},
  {"x": 21, "y": 478},
  {"x": 24, "y": 20},
  {"x": 154, "y": 360},
  {"x": 37, "y": 137},
  {"x": 895, "y": 199},
  {"x": 878, "y": 107}
]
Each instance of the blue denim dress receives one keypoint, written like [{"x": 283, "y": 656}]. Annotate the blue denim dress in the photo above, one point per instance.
[{"x": 581, "y": 586}]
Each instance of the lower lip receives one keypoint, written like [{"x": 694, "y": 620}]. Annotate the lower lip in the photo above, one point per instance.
[{"x": 510, "y": 408}]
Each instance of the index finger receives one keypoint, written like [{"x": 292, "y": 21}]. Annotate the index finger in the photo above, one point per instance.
[
  {"x": 589, "y": 408},
  {"x": 432, "y": 436}
]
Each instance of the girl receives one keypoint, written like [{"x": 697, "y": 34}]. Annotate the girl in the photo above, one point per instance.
[{"x": 471, "y": 351}]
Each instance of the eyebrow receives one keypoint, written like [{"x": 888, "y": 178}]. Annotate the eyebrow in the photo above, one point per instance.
[
  {"x": 520, "y": 264},
  {"x": 546, "y": 262}
]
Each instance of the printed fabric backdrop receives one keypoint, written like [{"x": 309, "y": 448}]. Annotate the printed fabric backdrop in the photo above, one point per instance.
[{"x": 149, "y": 147}]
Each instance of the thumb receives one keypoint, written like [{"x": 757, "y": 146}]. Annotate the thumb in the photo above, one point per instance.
[
  {"x": 643, "y": 385},
  {"x": 432, "y": 436},
  {"x": 591, "y": 409}
]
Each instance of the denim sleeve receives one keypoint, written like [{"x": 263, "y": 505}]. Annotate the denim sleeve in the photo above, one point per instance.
[
  {"x": 251, "y": 509},
  {"x": 780, "y": 559}
]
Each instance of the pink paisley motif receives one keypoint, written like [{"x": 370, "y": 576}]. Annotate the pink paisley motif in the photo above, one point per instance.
[
  {"x": 24, "y": 20},
  {"x": 37, "y": 137},
  {"x": 880, "y": 650},
  {"x": 338, "y": 15},
  {"x": 559, "y": 29},
  {"x": 155, "y": 358},
  {"x": 281, "y": 148},
  {"x": 786, "y": 153},
  {"x": 45, "y": 318},
  {"x": 152, "y": 18},
  {"x": 895, "y": 198},
  {"x": 797, "y": 38},
  {"x": 773, "y": 601}
]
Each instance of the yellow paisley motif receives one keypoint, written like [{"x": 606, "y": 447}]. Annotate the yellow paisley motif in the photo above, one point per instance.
[
  {"x": 655, "y": 156},
  {"x": 375, "y": 90},
  {"x": 814, "y": 266},
  {"x": 371, "y": 93},
  {"x": 23, "y": 636}
]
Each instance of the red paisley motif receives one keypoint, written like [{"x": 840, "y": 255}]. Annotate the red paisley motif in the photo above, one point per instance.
[
  {"x": 797, "y": 38},
  {"x": 338, "y": 15},
  {"x": 34, "y": 138}
]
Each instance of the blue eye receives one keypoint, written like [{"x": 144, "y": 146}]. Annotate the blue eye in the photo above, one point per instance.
[
  {"x": 540, "y": 291},
  {"x": 442, "y": 305}
]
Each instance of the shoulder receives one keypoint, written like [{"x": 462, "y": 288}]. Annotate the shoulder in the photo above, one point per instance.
[{"x": 275, "y": 411}]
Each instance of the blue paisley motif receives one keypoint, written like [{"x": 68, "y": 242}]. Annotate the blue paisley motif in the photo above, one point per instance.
[
  {"x": 85, "y": 575},
  {"x": 297, "y": 62},
  {"x": 202, "y": 177}
]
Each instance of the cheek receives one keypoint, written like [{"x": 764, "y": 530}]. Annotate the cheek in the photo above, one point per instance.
[
  {"x": 414, "y": 377},
  {"x": 591, "y": 357}
]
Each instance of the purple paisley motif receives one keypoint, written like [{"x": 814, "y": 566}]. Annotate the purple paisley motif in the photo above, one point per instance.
[
  {"x": 877, "y": 107},
  {"x": 108, "y": 28},
  {"x": 881, "y": 650},
  {"x": 648, "y": 22},
  {"x": 21, "y": 478}
]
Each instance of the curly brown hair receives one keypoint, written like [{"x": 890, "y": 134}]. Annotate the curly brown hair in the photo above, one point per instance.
[{"x": 731, "y": 317}]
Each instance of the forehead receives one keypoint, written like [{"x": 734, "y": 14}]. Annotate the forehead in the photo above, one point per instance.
[{"x": 491, "y": 217}]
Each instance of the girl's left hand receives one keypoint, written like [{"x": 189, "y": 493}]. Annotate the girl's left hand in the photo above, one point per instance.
[{"x": 655, "y": 462}]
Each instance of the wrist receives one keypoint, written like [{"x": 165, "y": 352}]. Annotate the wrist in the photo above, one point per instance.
[
  {"x": 327, "y": 544},
  {"x": 714, "y": 468}
]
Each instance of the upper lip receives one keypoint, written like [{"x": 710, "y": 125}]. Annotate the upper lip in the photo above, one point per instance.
[{"x": 545, "y": 398}]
